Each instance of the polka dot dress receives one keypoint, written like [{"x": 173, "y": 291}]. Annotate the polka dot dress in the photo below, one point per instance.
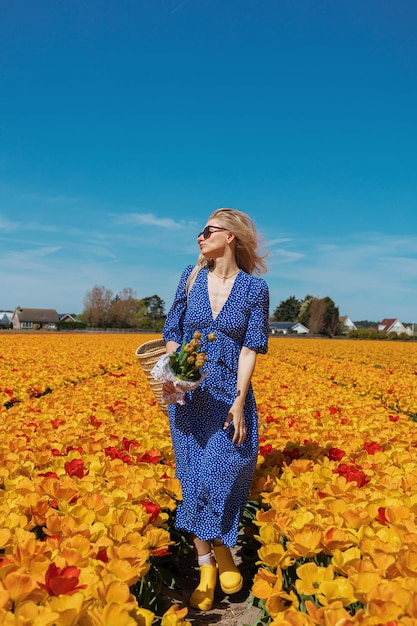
[{"x": 216, "y": 474}]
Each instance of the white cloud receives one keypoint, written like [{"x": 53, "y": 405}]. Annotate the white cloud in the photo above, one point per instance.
[
  {"x": 149, "y": 219},
  {"x": 7, "y": 225},
  {"x": 273, "y": 242},
  {"x": 280, "y": 256},
  {"x": 25, "y": 259}
]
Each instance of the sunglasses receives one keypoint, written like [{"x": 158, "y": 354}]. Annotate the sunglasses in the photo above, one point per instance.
[{"x": 208, "y": 230}]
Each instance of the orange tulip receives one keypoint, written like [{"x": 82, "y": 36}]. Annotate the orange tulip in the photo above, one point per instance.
[
  {"x": 265, "y": 583},
  {"x": 175, "y": 617}
]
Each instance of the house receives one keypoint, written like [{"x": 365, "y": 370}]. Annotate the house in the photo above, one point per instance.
[
  {"x": 5, "y": 319},
  {"x": 287, "y": 327},
  {"x": 346, "y": 323},
  {"x": 34, "y": 318},
  {"x": 67, "y": 317},
  {"x": 392, "y": 325}
]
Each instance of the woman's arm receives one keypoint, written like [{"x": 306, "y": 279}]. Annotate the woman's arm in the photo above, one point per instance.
[{"x": 245, "y": 369}]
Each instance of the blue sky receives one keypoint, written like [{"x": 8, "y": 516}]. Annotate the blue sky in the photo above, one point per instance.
[{"x": 124, "y": 123}]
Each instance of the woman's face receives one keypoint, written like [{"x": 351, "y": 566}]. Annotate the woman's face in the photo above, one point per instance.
[{"x": 213, "y": 238}]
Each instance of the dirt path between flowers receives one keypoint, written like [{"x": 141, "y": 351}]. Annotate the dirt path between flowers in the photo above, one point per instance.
[{"x": 227, "y": 610}]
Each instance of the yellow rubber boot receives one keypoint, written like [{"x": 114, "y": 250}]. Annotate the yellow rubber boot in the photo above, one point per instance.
[
  {"x": 229, "y": 576},
  {"x": 203, "y": 596}
]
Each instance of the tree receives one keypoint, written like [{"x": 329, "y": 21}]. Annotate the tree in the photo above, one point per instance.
[
  {"x": 324, "y": 317},
  {"x": 150, "y": 312},
  {"x": 304, "y": 311},
  {"x": 123, "y": 309},
  {"x": 331, "y": 318},
  {"x": 102, "y": 309},
  {"x": 316, "y": 318},
  {"x": 154, "y": 306},
  {"x": 97, "y": 306},
  {"x": 287, "y": 311},
  {"x": 366, "y": 324}
]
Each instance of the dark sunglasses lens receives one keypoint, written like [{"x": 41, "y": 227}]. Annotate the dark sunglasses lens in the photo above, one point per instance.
[{"x": 204, "y": 233}]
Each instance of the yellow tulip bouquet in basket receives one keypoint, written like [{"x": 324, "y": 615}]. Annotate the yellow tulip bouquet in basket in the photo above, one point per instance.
[{"x": 183, "y": 368}]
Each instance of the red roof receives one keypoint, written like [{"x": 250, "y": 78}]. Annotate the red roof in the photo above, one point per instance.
[{"x": 386, "y": 323}]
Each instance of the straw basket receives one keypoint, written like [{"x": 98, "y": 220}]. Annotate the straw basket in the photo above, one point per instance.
[{"x": 148, "y": 353}]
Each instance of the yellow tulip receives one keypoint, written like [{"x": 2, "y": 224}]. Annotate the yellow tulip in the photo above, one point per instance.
[
  {"x": 274, "y": 555},
  {"x": 5, "y": 601},
  {"x": 144, "y": 617},
  {"x": 68, "y": 607},
  {"x": 406, "y": 563},
  {"x": 333, "y": 614},
  {"x": 338, "y": 539},
  {"x": 305, "y": 543},
  {"x": 21, "y": 586},
  {"x": 302, "y": 518},
  {"x": 110, "y": 615},
  {"x": 363, "y": 583},
  {"x": 310, "y": 577},
  {"x": 346, "y": 560},
  {"x": 30, "y": 613},
  {"x": 5, "y": 536},
  {"x": 278, "y": 602},
  {"x": 268, "y": 533},
  {"x": 340, "y": 589},
  {"x": 292, "y": 617},
  {"x": 124, "y": 572}
]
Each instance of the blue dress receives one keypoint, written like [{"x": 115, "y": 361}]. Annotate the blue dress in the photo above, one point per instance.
[{"x": 216, "y": 474}]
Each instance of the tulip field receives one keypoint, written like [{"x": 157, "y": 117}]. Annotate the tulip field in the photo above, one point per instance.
[{"x": 88, "y": 488}]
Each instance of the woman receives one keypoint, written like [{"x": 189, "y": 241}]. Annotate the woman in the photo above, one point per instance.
[{"x": 214, "y": 435}]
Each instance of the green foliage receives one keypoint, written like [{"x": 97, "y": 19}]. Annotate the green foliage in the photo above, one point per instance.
[
  {"x": 372, "y": 333},
  {"x": 366, "y": 324},
  {"x": 324, "y": 317},
  {"x": 304, "y": 312},
  {"x": 154, "y": 307},
  {"x": 71, "y": 325},
  {"x": 331, "y": 325},
  {"x": 150, "y": 313},
  {"x": 398, "y": 337},
  {"x": 288, "y": 310},
  {"x": 365, "y": 333}
]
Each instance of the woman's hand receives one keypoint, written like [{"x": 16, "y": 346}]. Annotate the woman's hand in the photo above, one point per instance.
[
  {"x": 168, "y": 388},
  {"x": 236, "y": 417}
]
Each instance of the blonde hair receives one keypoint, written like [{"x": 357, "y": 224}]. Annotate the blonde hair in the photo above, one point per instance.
[{"x": 248, "y": 258}]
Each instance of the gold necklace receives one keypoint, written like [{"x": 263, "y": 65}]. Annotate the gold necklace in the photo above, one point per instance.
[{"x": 226, "y": 277}]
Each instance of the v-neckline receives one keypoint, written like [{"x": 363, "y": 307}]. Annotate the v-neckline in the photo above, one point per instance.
[{"x": 214, "y": 318}]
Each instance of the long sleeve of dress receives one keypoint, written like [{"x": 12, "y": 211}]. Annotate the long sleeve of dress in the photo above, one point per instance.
[
  {"x": 174, "y": 323},
  {"x": 256, "y": 337}
]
